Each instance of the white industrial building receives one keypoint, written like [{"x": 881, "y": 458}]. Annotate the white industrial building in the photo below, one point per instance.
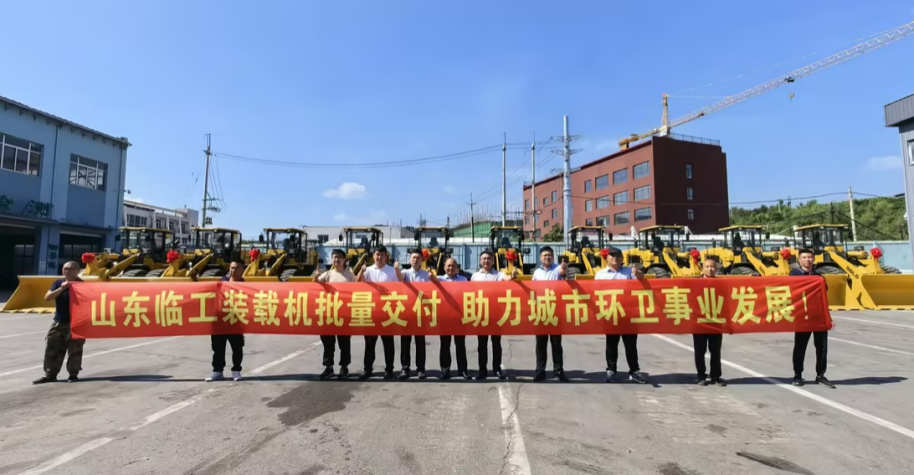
[{"x": 179, "y": 221}]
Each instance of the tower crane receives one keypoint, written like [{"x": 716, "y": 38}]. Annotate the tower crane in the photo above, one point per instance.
[{"x": 877, "y": 42}]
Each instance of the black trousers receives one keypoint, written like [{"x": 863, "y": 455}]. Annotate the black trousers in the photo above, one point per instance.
[
  {"x": 370, "y": 342},
  {"x": 444, "y": 357},
  {"x": 631, "y": 352},
  {"x": 483, "y": 351},
  {"x": 330, "y": 342},
  {"x": 704, "y": 343},
  {"x": 557, "y": 354},
  {"x": 218, "y": 341},
  {"x": 801, "y": 341},
  {"x": 405, "y": 343}
]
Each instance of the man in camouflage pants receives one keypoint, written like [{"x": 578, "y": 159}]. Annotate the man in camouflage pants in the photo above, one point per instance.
[{"x": 59, "y": 341}]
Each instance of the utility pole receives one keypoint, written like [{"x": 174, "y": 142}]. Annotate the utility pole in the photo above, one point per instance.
[
  {"x": 206, "y": 182},
  {"x": 566, "y": 152},
  {"x": 504, "y": 180},
  {"x": 533, "y": 185},
  {"x": 472, "y": 219},
  {"x": 850, "y": 201}
]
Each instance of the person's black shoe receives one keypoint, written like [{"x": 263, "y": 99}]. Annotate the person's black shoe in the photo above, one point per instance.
[
  {"x": 465, "y": 375},
  {"x": 445, "y": 374},
  {"x": 72, "y": 378},
  {"x": 636, "y": 377},
  {"x": 560, "y": 375},
  {"x": 798, "y": 380},
  {"x": 539, "y": 376},
  {"x": 824, "y": 381},
  {"x": 482, "y": 375},
  {"x": 365, "y": 374},
  {"x": 328, "y": 372},
  {"x": 388, "y": 375},
  {"x": 610, "y": 375},
  {"x": 720, "y": 382},
  {"x": 703, "y": 381},
  {"x": 44, "y": 379},
  {"x": 421, "y": 374},
  {"x": 344, "y": 372},
  {"x": 404, "y": 374},
  {"x": 500, "y": 374}
]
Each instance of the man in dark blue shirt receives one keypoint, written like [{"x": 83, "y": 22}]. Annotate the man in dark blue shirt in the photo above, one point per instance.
[
  {"x": 59, "y": 342},
  {"x": 235, "y": 274},
  {"x": 820, "y": 338}
]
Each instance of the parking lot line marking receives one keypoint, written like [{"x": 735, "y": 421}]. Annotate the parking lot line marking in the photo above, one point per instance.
[
  {"x": 517, "y": 454},
  {"x": 872, "y": 321},
  {"x": 802, "y": 392},
  {"x": 21, "y": 334},
  {"x": 865, "y": 345},
  {"x": 100, "y": 353},
  {"x": 101, "y": 441}
]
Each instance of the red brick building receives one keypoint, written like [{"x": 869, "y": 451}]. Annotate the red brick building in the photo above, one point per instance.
[{"x": 665, "y": 180}]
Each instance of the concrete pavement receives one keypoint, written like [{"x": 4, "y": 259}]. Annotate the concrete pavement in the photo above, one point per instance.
[{"x": 142, "y": 407}]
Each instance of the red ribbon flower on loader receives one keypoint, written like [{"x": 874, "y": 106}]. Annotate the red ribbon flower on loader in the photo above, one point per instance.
[
  {"x": 696, "y": 255},
  {"x": 511, "y": 255},
  {"x": 876, "y": 253},
  {"x": 425, "y": 254},
  {"x": 604, "y": 253},
  {"x": 255, "y": 254},
  {"x": 88, "y": 257},
  {"x": 785, "y": 253},
  {"x": 172, "y": 256}
]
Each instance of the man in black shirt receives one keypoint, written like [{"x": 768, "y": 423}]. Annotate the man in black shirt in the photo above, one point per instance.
[
  {"x": 236, "y": 272},
  {"x": 820, "y": 338},
  {"x": 59, "y": 342}
]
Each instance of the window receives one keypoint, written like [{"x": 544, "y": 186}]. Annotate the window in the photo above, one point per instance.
[
  {"x": 688, "y": 171},
  {"x": 621, "y": 218},
  {"x": 588, "y": 205},
  {"x": 546, "y": 224},
  {"x": 159, "y": 224},
  {"x": 526, "y": 204},
  {"x": 183, "y": 227},
  {"x": 87, "y": 173},
  {"x": 642, "y": 214},
  {"x": 21, "y": 156},
  {"x": 620, "y": 198},
  {"x": 586, "y": 186},
  {"x": 689, "y": 194},
  {"x": 641, "y": 170},
  {"x": 135, "y": 221},
  {"x": 601, "y": 182},
  {"x": 620, "y": 176},
  {"x": 690, "y": 213},
  {"x": 172, "y": 226},
  {"x": 555, "y": 214},
  {"x": 603, "y": 221},
  {"x": 603, "y": 202},
  {"x": 526, "y": 220},
  {"x": 322, "y": 238},
  {"x": 643, "y": 193},
  {"x": 555, "y": 196},
  {"x": 545, "y": 201},
  {"x": 588, "y": 222}
]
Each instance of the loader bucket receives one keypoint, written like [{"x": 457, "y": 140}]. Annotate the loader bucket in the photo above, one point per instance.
[
  {"x": 29, "y": 296},
  {"x": 889, "y": 291},
  {"x": 839, "y": 295}
]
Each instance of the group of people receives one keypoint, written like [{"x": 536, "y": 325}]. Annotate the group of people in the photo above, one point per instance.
[{"x": 59, "y": 342}]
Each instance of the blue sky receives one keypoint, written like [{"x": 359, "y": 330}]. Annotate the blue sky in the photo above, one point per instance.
[{"x": 366, "y": 81}]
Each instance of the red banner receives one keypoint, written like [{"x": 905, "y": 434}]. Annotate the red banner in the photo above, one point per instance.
[{"x": 732, "y": 305}]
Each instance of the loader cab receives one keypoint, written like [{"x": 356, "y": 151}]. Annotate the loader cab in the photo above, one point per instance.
[
  {"x": 289, "y": 241},
  {"x": 587, "y": 237},
  {"x": 359, "y": 244},
  {"x": 224, "y": 244},
  {"x": 151, "y": 242},
  {"x": 824, "y": 237},
  {"x": 739, "y": 237},
  {"x": 661, "y": 238},
  {"x": 508, "y": 242},
  {"x": 583, "y": 256},
  {"x": 434, "y": 241}
]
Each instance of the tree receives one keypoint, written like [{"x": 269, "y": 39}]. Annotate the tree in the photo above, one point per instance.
[{"x": 556, "y": 234}]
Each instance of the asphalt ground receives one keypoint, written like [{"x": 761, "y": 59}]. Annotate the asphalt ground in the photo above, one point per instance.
[{"x": 142, "y": 408}]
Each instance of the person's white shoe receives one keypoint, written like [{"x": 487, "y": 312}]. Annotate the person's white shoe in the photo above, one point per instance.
[
  {"x": 236, "y": 375},
  {"x": 215, "y": 377}
]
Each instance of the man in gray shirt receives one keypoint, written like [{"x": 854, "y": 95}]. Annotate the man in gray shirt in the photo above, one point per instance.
[
  {"x": 338, "y": 273},
  {"x": 414, "y": 274},
  {"x": 452, "y": 274}
]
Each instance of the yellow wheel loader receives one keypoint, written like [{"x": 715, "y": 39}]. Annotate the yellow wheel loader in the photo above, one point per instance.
[
  {"x": 360, "y": 243},
  {"x": 214, "y": 251},
  {"x": 432, "y": 243},
  {"x": 508, "y": 244},
  {"x": 658, "y": 252},
  {"x": 288, "y": 253},
  {"x": 584, "y": 257},
  {"x": 742, "y": 253},
  {"x": 856, "y": 278}
]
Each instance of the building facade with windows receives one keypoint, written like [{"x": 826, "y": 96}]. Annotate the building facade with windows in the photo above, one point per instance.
[
  {"x": 666, "y": 180},
  {"x": 61, "y": 190},
  {"x": 178, "y": 221}
]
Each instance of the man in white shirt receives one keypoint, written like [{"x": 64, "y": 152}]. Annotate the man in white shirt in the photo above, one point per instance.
[
  {"x": 338, "y": 273},
  {"x": 616, "y": 271},
  {"x": 488, "y": 273},
  {"x": 549, "y": 270},
  {"x": 452, "y": 274},
  {"x": 379, "y": 272},
  {"x": 414, "y": 274}
]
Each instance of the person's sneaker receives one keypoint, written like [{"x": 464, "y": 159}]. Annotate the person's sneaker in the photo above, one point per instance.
[
  {"x": 500, "y": 374},
  {"x": 236, "y": 375},
  {"x": 465, "y": 375},
  {"x": 422, "y": 375},
  {"x": 720, "y": 382},
  {"x": 481, "y": 375},
  {"x": 445, "y": 374},
  {"x": 636, "y": 377},
  {"x": 610, "y": 376},
  {"x": 703, "y": 381},
  {"x": 328, "y": 372},
  {"x": 798, "y": 380},
  {"x": 344, "y": 372},
  {"x": 44, "y": 379},
  {"x": 404, "y": 374},
  {"x": 215, "y": 377},
  {"x": 388, "y": 375},
  {"x": 365, "y": 375},
  {"x": 560, "y": 375},
  {"x": 539, "y": 376},
  {"x": 824, "y": 381},
  {"x": 72, "y": 378}
]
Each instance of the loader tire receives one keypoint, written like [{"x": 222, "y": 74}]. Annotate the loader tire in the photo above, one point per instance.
[
  {"x": 571, "y": 273},
  {"x": 659, "y": 272},
  {"x": 155, "y": 273},
  {"x": 134, "y": 273},
  {"x": 743, "y": 270},
  {"x": 890, "y": 270},
  {"x": 829, "y": 269},
  {"x": 284, "y": 276},
  {"x": 213, "y": 273}
]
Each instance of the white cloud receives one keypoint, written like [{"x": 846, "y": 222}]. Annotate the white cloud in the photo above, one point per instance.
[
  {"x": 884, "y": 163},
  {"x": 448, "y": 190},
  {"x": 347, "y": 191}
]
